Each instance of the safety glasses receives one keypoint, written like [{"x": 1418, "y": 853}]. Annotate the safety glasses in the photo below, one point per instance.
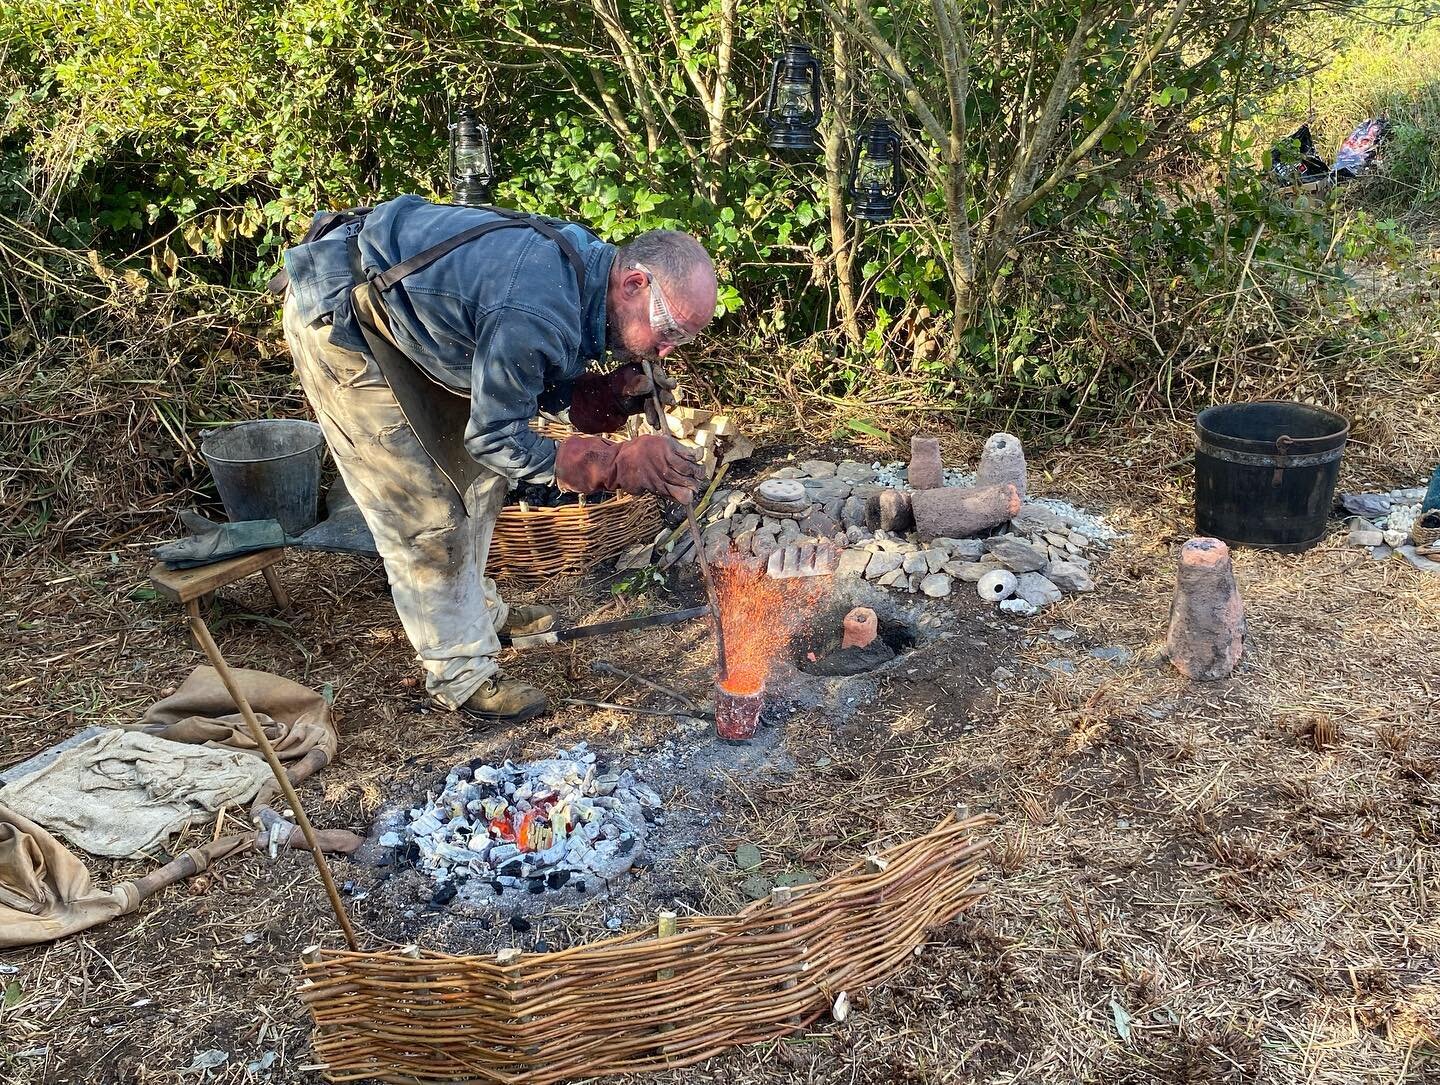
[{"x": 662, "y": 320}]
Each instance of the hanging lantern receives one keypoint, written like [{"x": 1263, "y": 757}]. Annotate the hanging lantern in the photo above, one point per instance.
[
  {"x": 792, "y": 104},
  {"x": 472, "y": 167},
  {"x": 876, "y": 176}
]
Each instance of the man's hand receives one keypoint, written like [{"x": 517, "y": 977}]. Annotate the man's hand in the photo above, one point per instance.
[
  {"x": 633, "y": 388},
  {"x": 652, "y": 464},
  {"x": 601, "y": 402}
]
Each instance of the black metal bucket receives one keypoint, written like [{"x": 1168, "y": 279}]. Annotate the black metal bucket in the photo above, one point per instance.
[{"x": 1265, "y": 473}]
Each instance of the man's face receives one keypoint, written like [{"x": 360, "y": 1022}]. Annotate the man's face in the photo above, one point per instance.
[{"x": 649, "y": 318}]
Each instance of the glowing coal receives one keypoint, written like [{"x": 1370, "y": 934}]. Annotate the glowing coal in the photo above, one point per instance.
[{"x": 532, "y": 827}]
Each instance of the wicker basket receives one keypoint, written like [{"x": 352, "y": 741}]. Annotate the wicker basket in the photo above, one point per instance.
[
  {"x": 533, "y": 543},
  {"x": 1422, "y": 536}
]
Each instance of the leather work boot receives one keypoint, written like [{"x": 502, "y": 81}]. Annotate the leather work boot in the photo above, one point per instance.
[
  {"x": 528, "y": 620},
  {"x": 505, "y": 699}
]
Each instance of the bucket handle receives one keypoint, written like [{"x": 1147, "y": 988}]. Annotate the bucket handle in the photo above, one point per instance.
[{"x": 1284, "y": 442}]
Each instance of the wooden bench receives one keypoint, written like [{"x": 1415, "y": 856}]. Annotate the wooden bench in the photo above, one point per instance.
[{"x": 189, "y": 586}]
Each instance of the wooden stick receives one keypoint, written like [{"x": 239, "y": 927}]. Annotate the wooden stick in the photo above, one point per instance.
[
  {"x": 710, "y": 591},
  {"x": 257, "y": 734}
]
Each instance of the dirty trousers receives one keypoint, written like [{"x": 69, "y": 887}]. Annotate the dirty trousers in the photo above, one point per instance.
[{"x": 434, "y": 545}]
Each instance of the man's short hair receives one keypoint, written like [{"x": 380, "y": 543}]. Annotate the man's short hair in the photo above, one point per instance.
[{"x": 670, "y": 254}]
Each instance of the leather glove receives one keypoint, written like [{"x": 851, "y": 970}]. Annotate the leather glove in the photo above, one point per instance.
[
  {"x": 653, "y": 464},
  {"x": 210, "y": 542},
  {"x": 600, "y": 402}
]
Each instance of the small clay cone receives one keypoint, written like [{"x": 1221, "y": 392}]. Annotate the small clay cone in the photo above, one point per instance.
[
  {"x": 926, "y": 471},
  {"x": 859, "y": 628},
  {"x": 1207, "y": 618},
  {"x": 1002, "y": 460}
]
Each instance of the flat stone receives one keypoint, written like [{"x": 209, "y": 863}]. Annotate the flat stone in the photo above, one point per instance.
[
  {"x": 856, "y": 533},
  {"x": 915, "y": 563},
  {"x": 937, "y": 585},
  {"x": 1076, "y": 538},
  {"x": 1020, "y": 557},
  {"x": 1018, "y": 606},
  {"x": 826, "y": 489},
  {"x": 1112, "y": 654},
  {"x": 1060, "y": 666},
  {"x": 818, "y": 468},
  {"x": 819, "y": 525},
  {"x": 935, "y": 558},
  {"x": 749, "y": 522},
  {"x": 786, "y": 472},
  {"x": 893, "y": 577},
  {"x": 968, "y": 571},
  {"x": 1415, "y": 558},
  {"x": 853, "y": 562},
  {"x": 1002, "y": 674},
  {"x": 748, "y": 857},
  {"x": 1069, "y": 578},
  {"x": 756, "y": 887},
  {"x": 853, "y": 471},
  {"x": 1055, "y": 538},
  {"x": 961, "y": 549},
  {"x": 1062, "y": 635},
  {"x": 1037, "y": 518},
  {"x": 852, "y": 512},
  {"x": 795, "y": 877},
  {"x": 1037, "y": 590},
  {"x": 882, "y": 563}
]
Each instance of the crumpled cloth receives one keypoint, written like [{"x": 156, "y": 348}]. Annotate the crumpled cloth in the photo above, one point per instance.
[
  {"x": 45, "y": 892},
  {"x": 123, "y": 793},
  {"x": 296, "y": 719}
]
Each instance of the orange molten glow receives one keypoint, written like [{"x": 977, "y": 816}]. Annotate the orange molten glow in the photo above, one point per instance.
[{"x": 760, "y": 618}]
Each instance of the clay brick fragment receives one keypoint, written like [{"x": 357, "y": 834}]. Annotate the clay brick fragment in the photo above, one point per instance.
[{"x": 926, "y": 471}]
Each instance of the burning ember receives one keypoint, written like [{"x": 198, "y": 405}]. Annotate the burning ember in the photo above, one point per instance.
[
  {"x": 530, "y": 827},
  {"x": 760, "y": 618}
]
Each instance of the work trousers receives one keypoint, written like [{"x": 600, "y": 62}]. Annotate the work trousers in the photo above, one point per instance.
[{"x": 433, "y": 542}]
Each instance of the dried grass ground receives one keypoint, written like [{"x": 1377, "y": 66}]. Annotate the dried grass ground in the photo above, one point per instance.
[{"x": 1225, "y": 883}]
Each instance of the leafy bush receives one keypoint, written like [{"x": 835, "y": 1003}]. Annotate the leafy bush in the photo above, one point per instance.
[{"x": 191, "y": 139}]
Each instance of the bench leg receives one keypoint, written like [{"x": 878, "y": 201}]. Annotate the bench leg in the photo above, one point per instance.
[{"x": 276, "y": 588}]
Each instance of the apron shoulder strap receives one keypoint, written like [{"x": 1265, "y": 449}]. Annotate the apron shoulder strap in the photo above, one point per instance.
[{"x": 508, "y": 220}]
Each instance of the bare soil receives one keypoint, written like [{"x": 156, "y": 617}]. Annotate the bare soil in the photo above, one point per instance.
[{"x": 1190, "y": 883}]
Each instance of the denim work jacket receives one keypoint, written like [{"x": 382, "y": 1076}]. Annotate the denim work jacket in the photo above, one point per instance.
[{"x": 501, "y": 316}]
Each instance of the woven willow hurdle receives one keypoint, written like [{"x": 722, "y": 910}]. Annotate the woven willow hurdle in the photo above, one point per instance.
[{"x": 639, "y": 1001}]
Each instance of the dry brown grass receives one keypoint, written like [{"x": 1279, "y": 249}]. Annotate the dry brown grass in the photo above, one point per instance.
[{"x": 1234, "y": 882}]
